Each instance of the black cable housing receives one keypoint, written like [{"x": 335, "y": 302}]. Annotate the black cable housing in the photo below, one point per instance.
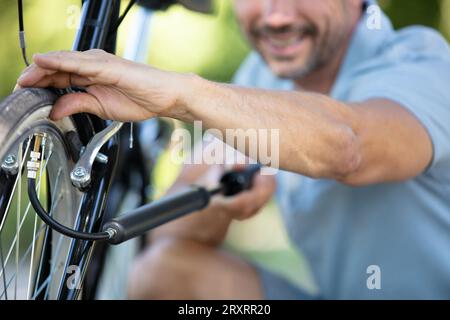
[
  {"x": 20, "y": 7},
  {"x": 23, "y": 46},
  {"x": 122, "y": 17},
  {"x": 55, "y": 225}
]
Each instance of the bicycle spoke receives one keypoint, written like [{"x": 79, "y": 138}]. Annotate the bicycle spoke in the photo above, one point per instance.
[
  {"x": 47, "y": 281},
  {"x": 53, "y": 266},
  {"x": 27, "y": 251},
  {"x": 15, "y": 237},
  {"x": 54, "y": 203},
  {"x": 17, "y": 182},
  {"x": 15, "y": 185},
  {"x": 4, "y": 275},
  {"x": 43, "y": 145},
  {"x": 21, "y": 224},
  {"x": 21, "y": 262},
  {"x": 42, "y": 170},
  {"x": 19, "y": 200},
  {"x": 54, "y": 263}
]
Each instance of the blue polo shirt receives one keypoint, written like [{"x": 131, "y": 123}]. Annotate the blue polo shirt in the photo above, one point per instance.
[{"x": 400, "y": 229}]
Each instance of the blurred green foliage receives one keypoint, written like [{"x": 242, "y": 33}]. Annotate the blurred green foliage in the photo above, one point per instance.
[
  {"x": 47, "y": 25},
  {"x": 406, "y": 12},
  {"x": 211, "y": 46},
  {"x": 181, "y": 40}
]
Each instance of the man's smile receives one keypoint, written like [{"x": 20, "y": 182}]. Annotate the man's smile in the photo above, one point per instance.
[{"x": 285, "y": 44}]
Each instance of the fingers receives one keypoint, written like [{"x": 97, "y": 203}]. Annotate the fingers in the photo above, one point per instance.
[
  {"x": 38, "y": 77},
  {"x": 238, "y": 166},
  {"x": 55, "y": 80},
  {"x": 265, "y": 184},
  {"x": 88, "y": 63},
  {"x": 262, "y": 189},
  {"x": 75, "y": 103},
  {"x": 33, "y": 74},
  {"x": 64, "y": 68},
  {"x": 250, "y": 202},
  {"x": 211, "y": 176}
]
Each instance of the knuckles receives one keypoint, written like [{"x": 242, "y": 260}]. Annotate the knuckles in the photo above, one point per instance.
[{"x": 97, "y": 52}]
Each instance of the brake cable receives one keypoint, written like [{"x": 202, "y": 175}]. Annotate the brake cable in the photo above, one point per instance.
[
  {"x": 124, "y": 14},
  {"x": 22, "y": 41}
]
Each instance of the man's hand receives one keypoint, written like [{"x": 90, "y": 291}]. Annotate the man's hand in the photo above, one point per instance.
[
  {"x": 117, "y": 89},
  {"x": 211, "y": 224},
  {"x": 247, "y": 203}
]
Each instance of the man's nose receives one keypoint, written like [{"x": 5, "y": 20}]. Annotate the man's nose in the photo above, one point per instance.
[{"x": 279, "y": 13}]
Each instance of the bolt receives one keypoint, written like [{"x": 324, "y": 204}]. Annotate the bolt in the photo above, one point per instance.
[
  {"x": 10, "y": 164},
  {"x": 80, "y": 177},
  {"x": 10, "y": 160},
  {"x": 101, "y": 158},
  {"x": 80, "y": 172}
]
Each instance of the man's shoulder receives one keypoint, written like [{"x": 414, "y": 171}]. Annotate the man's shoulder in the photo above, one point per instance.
[
  {"x": 417, "y": 42},
  {"x": 254, "y": 72},
  {"x": 415, "y": 57}
]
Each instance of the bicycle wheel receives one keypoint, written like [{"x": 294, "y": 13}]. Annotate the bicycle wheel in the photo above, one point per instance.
[{"x": 33, "y": 258}]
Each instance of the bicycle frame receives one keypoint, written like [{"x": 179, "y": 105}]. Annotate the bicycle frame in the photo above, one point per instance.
[
  {"x": 97, "y": 31},
  {"x": 98, "y": 27}
]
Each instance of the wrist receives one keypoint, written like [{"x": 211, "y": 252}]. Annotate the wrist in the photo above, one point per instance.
[{"x": 188, "y": 86}]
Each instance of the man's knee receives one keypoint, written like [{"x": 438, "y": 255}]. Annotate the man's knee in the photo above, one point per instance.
[
  {"x": 183, "y": 269},
  {"x": 164, "y": 271}
]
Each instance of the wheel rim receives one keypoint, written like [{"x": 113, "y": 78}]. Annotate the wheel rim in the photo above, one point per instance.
[{"x": 33, "y": 257}]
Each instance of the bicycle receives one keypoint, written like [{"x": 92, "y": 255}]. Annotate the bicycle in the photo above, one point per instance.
[{"x": 68, "y": 169}]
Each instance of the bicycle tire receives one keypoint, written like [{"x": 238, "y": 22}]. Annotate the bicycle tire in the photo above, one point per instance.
[{"x": 22, "y": 114}]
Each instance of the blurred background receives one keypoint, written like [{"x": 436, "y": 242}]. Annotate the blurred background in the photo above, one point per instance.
[{"x": 211, "y": 46}]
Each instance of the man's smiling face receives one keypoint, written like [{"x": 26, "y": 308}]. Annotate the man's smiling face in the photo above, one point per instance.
[{"x": 297, "y": 37}]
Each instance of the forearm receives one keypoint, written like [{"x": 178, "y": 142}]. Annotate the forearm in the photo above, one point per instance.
[
  {"x": 316, "y": 137},
  {"x": 207, "y": 226}
]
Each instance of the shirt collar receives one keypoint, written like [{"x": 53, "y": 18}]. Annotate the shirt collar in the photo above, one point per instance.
[{"x": 366, "y": 42}]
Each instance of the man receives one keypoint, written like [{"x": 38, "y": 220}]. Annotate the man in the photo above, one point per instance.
[{"x": 364, "y": 119}]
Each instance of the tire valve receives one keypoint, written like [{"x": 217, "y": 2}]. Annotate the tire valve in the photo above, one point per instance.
[{"x": 35, "y": 157}]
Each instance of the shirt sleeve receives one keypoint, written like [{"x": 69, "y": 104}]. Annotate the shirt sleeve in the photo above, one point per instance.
[{"x": 422, "y": 86}]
